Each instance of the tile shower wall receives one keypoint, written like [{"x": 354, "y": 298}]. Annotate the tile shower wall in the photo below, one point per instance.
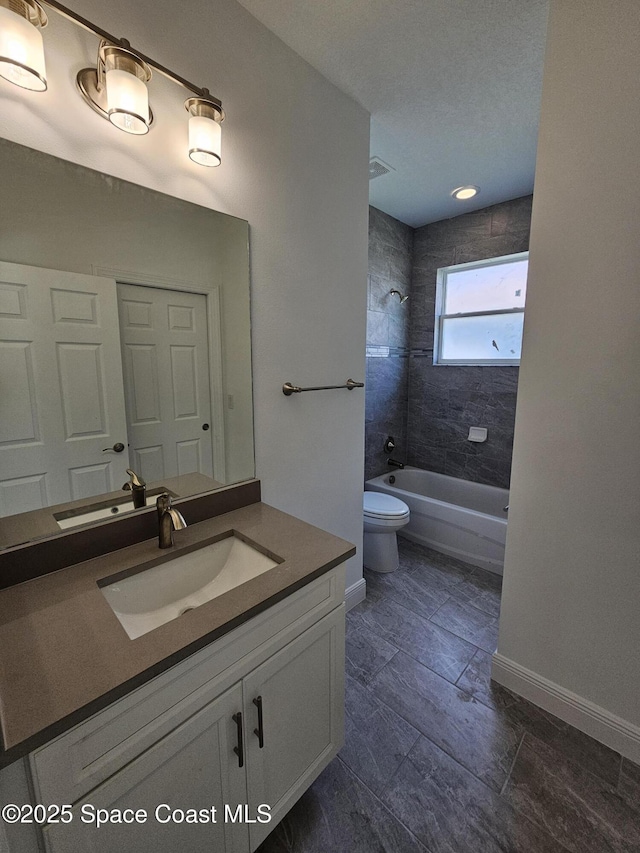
[
  {"x": 390, "y": 261},
  {"x": 444, "y": 401}
]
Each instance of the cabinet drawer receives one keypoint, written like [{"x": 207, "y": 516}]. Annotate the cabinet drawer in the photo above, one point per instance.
[{"x": 72, "y": 765}]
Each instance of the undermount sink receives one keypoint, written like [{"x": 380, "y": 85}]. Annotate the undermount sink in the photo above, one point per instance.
[
  {"x": 164, "y": 591},
  {"x": 105, "y": 509}
]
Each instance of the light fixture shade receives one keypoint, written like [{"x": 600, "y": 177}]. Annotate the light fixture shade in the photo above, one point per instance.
[
  {"x": 205, "y": 138},
  {"x": 22, "y": 50},
  {"x": 205, "y": 133},
  {"x": 126, "y": 79}
]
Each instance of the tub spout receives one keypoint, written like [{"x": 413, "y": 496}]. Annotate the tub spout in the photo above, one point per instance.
[{"x": 394, "y": 463}]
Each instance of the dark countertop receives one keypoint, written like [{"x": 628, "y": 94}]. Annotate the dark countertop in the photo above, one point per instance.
[{"x": 65, "y": 655}]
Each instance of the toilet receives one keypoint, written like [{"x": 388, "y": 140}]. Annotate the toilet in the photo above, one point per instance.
[{"x": 384, "y": 515}]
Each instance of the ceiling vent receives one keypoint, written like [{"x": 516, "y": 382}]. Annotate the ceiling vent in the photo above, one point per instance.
[{"x": 378, "y": 167}]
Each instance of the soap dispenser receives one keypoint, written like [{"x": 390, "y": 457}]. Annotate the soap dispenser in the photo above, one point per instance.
[{"x": 138, "y": 489}]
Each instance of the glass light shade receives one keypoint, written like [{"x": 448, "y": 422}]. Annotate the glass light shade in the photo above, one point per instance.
[
  {"x": 205, "y": 141},
  {"x": 21, "y": 52},
  {"x": 127, "y": 101}
]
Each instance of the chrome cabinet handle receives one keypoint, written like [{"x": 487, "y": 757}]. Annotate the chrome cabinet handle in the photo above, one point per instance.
[
  {"x": 260, "y": 730},
  {"x": 239, "y": 749}
]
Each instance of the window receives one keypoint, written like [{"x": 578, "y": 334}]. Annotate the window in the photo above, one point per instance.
[{"x": 480, "y": 311}]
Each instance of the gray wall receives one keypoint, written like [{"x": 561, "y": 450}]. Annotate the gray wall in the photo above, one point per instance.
[
  {"x": 390, "y": 250},
  {"x": 444, "y": 401},
  {"x": 304, "y": 194},
  {"x": 571, "y": 580}
]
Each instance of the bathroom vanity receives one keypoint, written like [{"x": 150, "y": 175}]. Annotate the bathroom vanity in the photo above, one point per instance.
[{"x": 207, "y": 728}]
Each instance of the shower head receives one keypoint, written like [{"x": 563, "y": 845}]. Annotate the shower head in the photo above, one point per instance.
[{"x": 399, "y": 295}]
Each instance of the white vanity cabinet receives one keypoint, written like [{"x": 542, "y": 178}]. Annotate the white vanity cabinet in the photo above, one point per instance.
[
  {"x": 249, "y": 721},
  {"x": 301, "y": 693},
  {"x": 191, "y": 768}
]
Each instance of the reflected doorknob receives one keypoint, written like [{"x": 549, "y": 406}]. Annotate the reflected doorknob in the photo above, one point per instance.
[{"x": 118, "y": 447}]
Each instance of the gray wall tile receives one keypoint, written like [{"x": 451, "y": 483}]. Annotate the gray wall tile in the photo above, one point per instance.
[
  {"x": 390, "y": 268},
  {"x": 429, "y": 409},
  {"x": 444, "y": 401}
]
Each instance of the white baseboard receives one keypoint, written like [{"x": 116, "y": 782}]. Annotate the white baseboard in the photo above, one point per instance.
[
  {"x": 604, "y": 726},
  {"x": 356, "y": 593}
]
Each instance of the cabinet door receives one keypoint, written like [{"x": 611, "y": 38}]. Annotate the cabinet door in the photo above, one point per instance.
[
  {"x": 192, "y": 768},
  {"x": 301, "y": 691}
]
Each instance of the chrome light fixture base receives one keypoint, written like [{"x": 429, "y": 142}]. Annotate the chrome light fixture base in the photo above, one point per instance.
[
  {"x": 206, "y": 106},
  {"x": 91, "y": 82},
  {"x": 31, "y": 10}
]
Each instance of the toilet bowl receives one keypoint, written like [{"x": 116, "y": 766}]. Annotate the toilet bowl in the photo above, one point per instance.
[{"x": 383, "y": 516}]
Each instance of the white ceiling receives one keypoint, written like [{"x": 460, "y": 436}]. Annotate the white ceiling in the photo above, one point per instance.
[{"x": 453, "y": 88}]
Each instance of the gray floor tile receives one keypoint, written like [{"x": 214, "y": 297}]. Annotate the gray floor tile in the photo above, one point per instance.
[
  {"x": 451, "y": 811},
  {"x": 571, "y": 743},
  {"x": 629, "y": 785},
  {"x": 476, "y": 680},
  {"x": 466, "y": 621},
  {"x": 482, "y": 590},
  {"x": 411, "y": 589},
  {"x": 564, "y": 791},
  {"x": 473, "y": 734},
  {"x": 376, "y": 738},
  {"x": 576, "y": 807},
  {"x": 434, "y": 647},
  {"x": 421, "y": 555},
  {"x": 366, "y": 652},
  {"x": 440, "y": 571},
  {"x": 338, "y": 814}
]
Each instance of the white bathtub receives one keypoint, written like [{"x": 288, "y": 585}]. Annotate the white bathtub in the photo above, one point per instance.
[{"x": 457, "y": 517}]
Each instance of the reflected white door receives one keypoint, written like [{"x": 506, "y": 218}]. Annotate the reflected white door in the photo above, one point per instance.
[
  {"x": 61, "y": 398},
  {"x": 165, "y": 355}
]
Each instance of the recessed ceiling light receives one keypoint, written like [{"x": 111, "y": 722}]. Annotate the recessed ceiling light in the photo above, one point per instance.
[{"x": 463, "y": 193}]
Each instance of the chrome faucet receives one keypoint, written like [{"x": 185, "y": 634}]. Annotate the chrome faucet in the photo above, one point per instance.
[
  {"x": 394, "y": 463},
  {"x": 169, "y": 519},
  {"x": 138, "y": 489}
]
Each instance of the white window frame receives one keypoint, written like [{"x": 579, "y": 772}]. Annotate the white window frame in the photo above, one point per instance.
[{"x": 441, "y": 289}]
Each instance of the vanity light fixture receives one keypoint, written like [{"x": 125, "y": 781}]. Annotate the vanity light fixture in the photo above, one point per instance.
[
  {"x": 466, "y": 192},
  {"x": 116, "y": 88},
  {"x": 205, "y": 133},
  {"x": 21, "y": 46}
]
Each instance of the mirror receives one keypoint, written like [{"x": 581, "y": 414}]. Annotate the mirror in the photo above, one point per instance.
[{"x": 125, "y": 336}]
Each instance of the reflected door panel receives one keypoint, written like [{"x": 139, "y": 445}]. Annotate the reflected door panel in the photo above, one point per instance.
[
  {"x": 165, "y": 354},
  {"x": 60, "y": 388}
]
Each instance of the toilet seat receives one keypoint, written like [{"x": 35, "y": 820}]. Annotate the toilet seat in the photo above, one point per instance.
[{"x": 378, "y": 505}]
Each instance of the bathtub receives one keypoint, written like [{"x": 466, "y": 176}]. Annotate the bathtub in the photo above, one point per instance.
[{"x": 456, "y": 517}]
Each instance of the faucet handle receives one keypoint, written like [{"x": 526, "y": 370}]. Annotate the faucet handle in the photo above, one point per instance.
[
  {"x": 135, "y": 482},
  {"x": 163, "y": 502}
]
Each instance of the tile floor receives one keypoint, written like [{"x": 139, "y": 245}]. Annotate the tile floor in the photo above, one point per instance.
[{"x": 437, "y": 758}]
